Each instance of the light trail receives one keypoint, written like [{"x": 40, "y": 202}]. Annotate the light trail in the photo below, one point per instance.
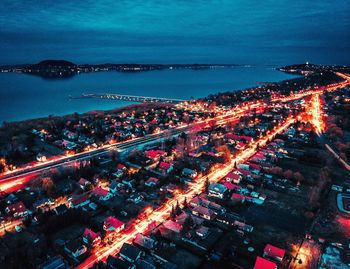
[
  {"x": 316, "y": 113},
  {"x": 163, "y": 212}
]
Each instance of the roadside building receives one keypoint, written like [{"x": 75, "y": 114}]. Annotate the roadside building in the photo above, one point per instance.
[
  {"x": 113, "y": 225},
  {"x": 217, "y": 190}
]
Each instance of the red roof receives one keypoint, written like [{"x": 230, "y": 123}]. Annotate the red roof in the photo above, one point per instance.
[
  {"x": 153, "y": 179},
  {"x": 90, "y": 234},
  {"x": 173, "y": 226},
  {"x": 237, "y": 196},
  {"x": 244, "y": 172},
  {"x": 262, "y": 263},
  {"x": 112, "y": 223},
  {"x": 239, "y": 137},
  {"x": 100, "y": 192},
  {"x": 80, "y": 200},
  {"x": 255, "y": 166},
  {"x": 233, "y": 176},
  {"x": 18, "y": 208},
  {"x": 121, "y": 166},
  {"x": 164, "y": 165},
  {"x": 274, "y": 252},
  {"x": 230, "y": 186}
]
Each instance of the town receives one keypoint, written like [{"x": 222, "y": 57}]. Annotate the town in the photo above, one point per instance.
[{"x": 257, "y": 178}]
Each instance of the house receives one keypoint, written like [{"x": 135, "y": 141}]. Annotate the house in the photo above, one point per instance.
[
  {"x": 121, "y": 167},
  {"x": 217, "y": 190},
  {"x": 172, "y": 226},
  {"x": 91, "y": 238},
  {"x": 165, "y": 168},
  {"x": 261, "y": 263},
  {"x": 55, "y": 262},
  {"x": 61, "y": 209},
  {"x": 255, "y": 168},
  {"x": 274, "y": 253},
  {"x": 129, "y": 182},
  {"x": 102, "y": 194},
  {"x": 17, "y": 210},
  {"x": 237, "y": 197},
  {"x": 112, "y": 224},
  {"x": 43, "y": 203},
  {"x": 230, "y": 186},
  {"x": 234, "y": 177},
  {"x": 203, "y": 212},
  {"x": 83, "y": 183},
  {"x": 189, "y": 173},
  {"x": 155, "y": 154},
  {"x": 135, "y": 198},
  {"x": 11, "y": 198},
  {"x": 117, "y": 263},
  {"x": 202, "y": 201},
  {"x": 171, "y": 188},
  {"x": 113, "y": 187},
  {"x": 152, "y": 182},
  {"x": 144, "y": 241},
  {"x": 75, "y": 248},
  {"x": 80, "y": 201},
  {"x": 130, "y": 252},
  {"x": 202, "y": 231}
]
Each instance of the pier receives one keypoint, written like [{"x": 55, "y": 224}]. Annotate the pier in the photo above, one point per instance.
[{"x": 132, "y": 98}]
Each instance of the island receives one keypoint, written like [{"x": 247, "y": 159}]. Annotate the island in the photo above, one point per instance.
[{"x": 58, "y": 69}]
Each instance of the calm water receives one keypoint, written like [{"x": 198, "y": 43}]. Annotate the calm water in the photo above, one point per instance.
[{"x": 25, "y": 96}]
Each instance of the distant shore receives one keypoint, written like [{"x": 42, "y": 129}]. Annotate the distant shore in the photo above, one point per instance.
[{"x": 60, "y": 69}]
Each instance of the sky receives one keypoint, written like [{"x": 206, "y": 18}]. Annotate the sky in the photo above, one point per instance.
[{"x": 257, "y": 32}]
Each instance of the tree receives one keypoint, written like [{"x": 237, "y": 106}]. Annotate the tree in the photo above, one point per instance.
[
  {"x": 172, "y": 213},
  {"x": 288, "y": 174},
  {"x": 185, "y": 204},
  {"x": 206, "y": 183},
  {"x": 47, "y": 185},
  {"x": 177, "y": 208},
  {"x": 276, "y": 170},
  {"x": 298, "y": 177}
]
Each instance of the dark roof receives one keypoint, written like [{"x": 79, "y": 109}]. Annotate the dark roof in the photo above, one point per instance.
[
  {"x": 116, "y": 263},
  {"x": 61, "y": 209},
  {"x": 53, "y": 263},
  {"x": 130, "y": 251}
]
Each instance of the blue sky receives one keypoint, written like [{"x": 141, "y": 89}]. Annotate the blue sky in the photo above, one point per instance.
[{"x": 254, "y": 32}]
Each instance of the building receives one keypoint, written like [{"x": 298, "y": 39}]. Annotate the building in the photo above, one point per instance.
[
  {"x": 217, "y": 190},
  {"x": 80, "y": 201},
  {"x": 203, "y": 212},
  {"x": 91, "y": 238},
  {"x": 172, "y": 226},
  {"x": 274, "y": 253},
  {"x": 152, "y": 182},
  {"x": 234, "y": 177},
  {"x": 165, "y": 168},
  {"x": 130, "y": 253},
  {"x": 102, "y": 194},
  {"x": 112, "y": 224},
  {"x": 117, "y": 263},
  {"x": 202, "y": 201},
  {"x": 75, "y": 248},
  {"x": 144, "y": 241},
  {"x": 17, "y": 210},
  {"x": 61, "y": 209},
  {"x": 189, "y": 173},
  {"x": 55, "y": 262},
  {"x": 261, "y": 263}
]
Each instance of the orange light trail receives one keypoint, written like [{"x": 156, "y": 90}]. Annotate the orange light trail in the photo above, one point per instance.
[{"x": 316, "y": 113}]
